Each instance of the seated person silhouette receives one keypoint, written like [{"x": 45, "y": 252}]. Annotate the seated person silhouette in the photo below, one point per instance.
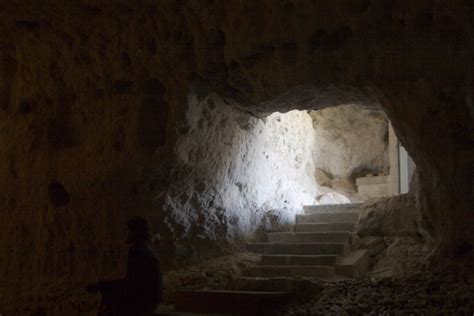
[{"x": 141, "y": 289}]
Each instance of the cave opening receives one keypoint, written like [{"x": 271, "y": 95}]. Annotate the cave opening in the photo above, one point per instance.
[
  {"x": 311, "y": 190},
  {"x": 240, "y": 171}
]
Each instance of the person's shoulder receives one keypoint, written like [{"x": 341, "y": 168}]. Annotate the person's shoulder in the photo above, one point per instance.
[
  {"x": 151, "y": 252},
  {"x": 145, "y": 250}
]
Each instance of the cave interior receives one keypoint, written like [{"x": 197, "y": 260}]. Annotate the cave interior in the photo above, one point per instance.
[{"x": 290, "y": 157}]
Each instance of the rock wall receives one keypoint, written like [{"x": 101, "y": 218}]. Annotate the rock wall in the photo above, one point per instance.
[
  {"x": 233, "y": 169},
  {"x": 350, "y": 141},
  {"x": 237, "y": 173},
  {"x": 82, "y": 111},
  {"x": 91, "y": 91},
  {"x": 392, "y": 232}
]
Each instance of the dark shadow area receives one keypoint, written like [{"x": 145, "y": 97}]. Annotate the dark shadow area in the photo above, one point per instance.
[
  {"x": 58, "y": 196},
  {"x": 141, "y": 290}
]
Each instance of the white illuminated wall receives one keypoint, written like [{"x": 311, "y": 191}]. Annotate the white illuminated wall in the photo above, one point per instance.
[{"x": 233, "y": 167}]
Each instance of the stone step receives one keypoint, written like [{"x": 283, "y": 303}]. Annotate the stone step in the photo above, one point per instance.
[
  {"x": 297, "y": 286},
  {"x": 290, "y": 271},
  {"x": 323, "y": 227},
  {"x": 289, "y": 237},
  {"x": 355, "y": 264},
  {"x": 235, "y": 302},
  {"x": 169, "y": 310},
  {"x": 340, "y": 217},
  {"x": 331, "y": 208},
  {"x": 318, "y": 248},
  {"x": 373, "y": 190},
  {"x": 298, "y": 260},
  {"x": 371, "y": 180}
]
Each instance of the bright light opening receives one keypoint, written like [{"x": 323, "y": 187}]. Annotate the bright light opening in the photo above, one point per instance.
[{"x": 237, "y": 170}]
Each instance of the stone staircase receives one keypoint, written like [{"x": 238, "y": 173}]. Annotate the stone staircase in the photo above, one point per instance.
[{"x": 318, "y": 246}]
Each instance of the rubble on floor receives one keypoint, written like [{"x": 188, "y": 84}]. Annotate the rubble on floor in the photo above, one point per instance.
[{"x": 422, "y": 294}]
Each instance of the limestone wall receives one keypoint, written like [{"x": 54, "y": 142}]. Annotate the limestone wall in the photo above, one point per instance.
[
  {"x": 233, "y": 167},
  {"x": 350, "y": 140}
]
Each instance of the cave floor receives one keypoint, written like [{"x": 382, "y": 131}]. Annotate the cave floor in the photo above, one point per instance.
[
  {"x": 422, "y": 294},
  {"x": 447, "y": 292},
  {"x": 442, "y": 293}
]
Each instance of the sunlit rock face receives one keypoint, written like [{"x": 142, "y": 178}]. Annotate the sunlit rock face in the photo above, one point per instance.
[
  {"x": 236, "y": 172},
  {"x": 233, "y": 167}
]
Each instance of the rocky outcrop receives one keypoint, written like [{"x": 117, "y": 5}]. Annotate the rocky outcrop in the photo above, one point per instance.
[
  {"x": 238, "y": 166},
  {"x": 350, "y": 139},
  {"x": 389, "y": 229},
  {"x": 395, "y": 216}
]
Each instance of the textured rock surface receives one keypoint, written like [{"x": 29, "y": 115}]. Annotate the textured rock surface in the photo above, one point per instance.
[
  {"x": 354, "y": 139},
  {"x": 236, "y": 173},
  {"x": 232, "y": 167},
  {"x": 91, "y": 93},
  {"x": 391, "y": 230},
  {"x": 443, "y": 293},
  {"x": 210, "y": 274},
  {"x": 389, "y": 217},
  {"x": 350, "y": 141}
]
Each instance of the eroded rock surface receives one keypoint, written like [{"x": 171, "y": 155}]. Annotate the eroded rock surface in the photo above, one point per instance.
[
  {"x": 395, "y": 216},
  {"x": 391, "y": 231},
  {"x": 352, "y": 139},
  {"x": 236, "y": 172},
  {"x": 431, "y": 294}
]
